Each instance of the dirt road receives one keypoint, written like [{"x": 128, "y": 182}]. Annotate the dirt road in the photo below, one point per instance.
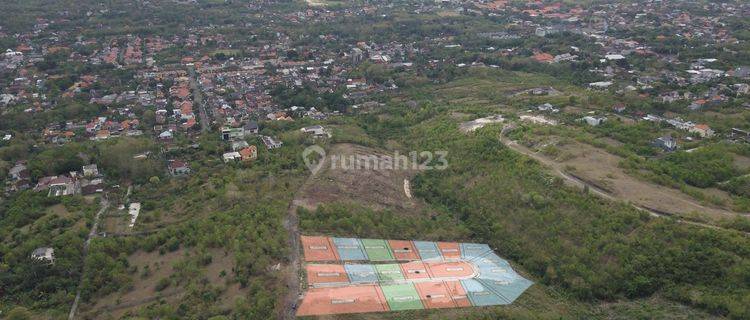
[
  {"x": 92, "y": 234},
  {"x": 574, "y": 180},
  {"x": 291, "y": 223}
]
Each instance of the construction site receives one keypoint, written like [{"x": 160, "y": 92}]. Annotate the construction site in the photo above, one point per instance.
[{"x": 352, "y": 275}]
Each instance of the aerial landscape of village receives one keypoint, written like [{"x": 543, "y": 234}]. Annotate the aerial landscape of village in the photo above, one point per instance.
[{"x": 374, "y": 159}]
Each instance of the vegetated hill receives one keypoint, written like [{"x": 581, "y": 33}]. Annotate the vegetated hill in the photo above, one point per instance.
[
  {"x": 593, "y": 249},
  {"x": 583, "y": 252}
]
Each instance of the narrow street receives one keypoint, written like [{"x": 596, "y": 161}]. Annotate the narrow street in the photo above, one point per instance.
[{"x": 198, "y": 100}]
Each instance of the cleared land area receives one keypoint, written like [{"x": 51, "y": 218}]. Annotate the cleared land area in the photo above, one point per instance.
[
  {"x": 376, "y": 188},
  {"x": 600, "y": 170}
]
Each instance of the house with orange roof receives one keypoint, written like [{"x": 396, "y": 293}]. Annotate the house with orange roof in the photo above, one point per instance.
[
  {"x": 697, "y": 104},
  {"x": 702, "y": 130},
  {"x": 543, "y": 57},
  {"x": 189, "y": 124},
  {"x": 249, "y": 153},
  {"x": 102, "y": 135}
]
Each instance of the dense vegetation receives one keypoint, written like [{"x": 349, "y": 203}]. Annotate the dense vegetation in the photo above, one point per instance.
[
  {"x": 237, "y": 210},
  {"x": 29, "y": 221},
  {"x": 594, "y": 249}
]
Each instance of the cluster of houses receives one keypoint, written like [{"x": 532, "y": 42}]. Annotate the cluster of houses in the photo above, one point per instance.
[
  {"x": 233, "y": 88},
  {"x": 240, "y": 149},
  {"x": 87, "y": 181},
  {"x": 702, "y": 130}
]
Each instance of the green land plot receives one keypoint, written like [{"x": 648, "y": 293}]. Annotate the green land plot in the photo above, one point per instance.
[
  {"x": 377, "y": 249},
  {"x": 389, "y": 272},
  {"x": 402, "y": 297}
]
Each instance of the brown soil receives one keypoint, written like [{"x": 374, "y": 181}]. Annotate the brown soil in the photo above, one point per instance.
[
  {"x": 376, "y": 188},
  {"x": 601, "y": 169},
  {"x": 742, "y": 162}
]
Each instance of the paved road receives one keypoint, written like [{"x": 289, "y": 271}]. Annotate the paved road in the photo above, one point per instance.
[
  {"x": 598, "y": 191},
  {"x": 104, "y": 205},
  {"x": 198, "y": 100}
]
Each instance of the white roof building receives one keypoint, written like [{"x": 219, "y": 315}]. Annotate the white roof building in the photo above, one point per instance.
[{"x": 44, "y": 254}]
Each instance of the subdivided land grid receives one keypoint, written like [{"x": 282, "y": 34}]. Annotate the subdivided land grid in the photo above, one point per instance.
[{"x": 352, "y": 275}]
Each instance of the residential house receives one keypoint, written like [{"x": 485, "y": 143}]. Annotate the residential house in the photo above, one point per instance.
[
  {"x": 19, "y": 178},
  {"x": 317, "y": 131},
  {"x": 6, "y": 99},
  {"x": 249, "y": 153},
  {"x": 58, "y": 185},
  {"x": 63, "y": 186},
  {"x": 229, "y": 133},
  {"x": 702, "y": 130},
  {"x": 666, "y": 143},
  {"x": 543, "y": 57},
  {"x": 251, "y": 127},
  {"x": 44, "y": 254},
  {"x": 615, "y": 57},
  {"x": 594, "y": 121},
  {"x": 166, "y": 135},
  {"x": 271, "y": 143},
  {"x": 742, "y": 72},
  {"x": 92, "y": 186},
  {"x": 619, "y": 107},
  {"x": 279, "y": 116},
  {"x": 600, "y": 84},
  {"x": 741, "y": 88},
  {"x": 239, "y": 145},
  {"x": 19, "y": 172},
  {"x": 231, "y": 156},
  {"x": 178, "y": 168},
  {"x": 697, "y": 105}
]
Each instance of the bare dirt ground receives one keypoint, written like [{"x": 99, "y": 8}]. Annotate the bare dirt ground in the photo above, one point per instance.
[
  {"x": 742, "y": 162},
  {"x": 375, "y": 188},
  {"x": 600, "y": 170}
]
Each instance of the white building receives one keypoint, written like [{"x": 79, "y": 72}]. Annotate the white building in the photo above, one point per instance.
[{"x": 44, "y": 254}]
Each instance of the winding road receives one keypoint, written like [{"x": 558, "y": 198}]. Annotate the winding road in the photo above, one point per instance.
[{"x": 576, "y": 181}]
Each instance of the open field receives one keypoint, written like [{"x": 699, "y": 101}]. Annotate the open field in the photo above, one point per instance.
[{"x": 376, "y": 188}]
